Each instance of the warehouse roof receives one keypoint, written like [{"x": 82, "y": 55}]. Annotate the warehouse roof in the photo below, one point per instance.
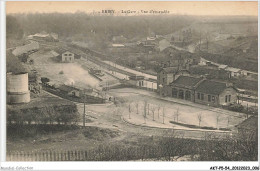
[
  {"x": 211, "y": 87},
  {"x": 186, "y": 81},
  {"x": 170, "y": 69}
]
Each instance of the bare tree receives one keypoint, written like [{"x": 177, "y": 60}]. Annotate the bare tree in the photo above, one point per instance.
[
  {"x": 199, "y": 118},
  {"x": 148, "y": 108},
  {"x": 228, "y": 120},
  {"x": 163, "y": 114},
  {"x": 153, "y": 110},
  {"x": 177, "y": 114},
  {"x": 136, "y": 105},
  {"x": 145, "y": 104},
  {"x": 129, "y": 110},
  {"x": 217, "y": 119},
  {"x": 159, "y": 107}
]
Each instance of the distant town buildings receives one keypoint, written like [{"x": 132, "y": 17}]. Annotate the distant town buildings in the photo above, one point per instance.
[
  {"x": 119, "y": 39},
  {"x": 233, "y": 72},
  {"x": 43, "y": 36}
]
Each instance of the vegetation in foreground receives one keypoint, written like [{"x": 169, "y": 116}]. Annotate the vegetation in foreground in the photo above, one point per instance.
[{"x": 101, "y": 144}]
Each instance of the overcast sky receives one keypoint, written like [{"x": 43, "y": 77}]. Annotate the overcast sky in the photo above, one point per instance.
[{"x": 188, "y": 7}]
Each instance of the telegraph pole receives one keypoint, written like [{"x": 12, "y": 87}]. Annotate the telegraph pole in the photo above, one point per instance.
[
  {"x": 163, "y": 114},
  {"x": 84, "y": 114}
]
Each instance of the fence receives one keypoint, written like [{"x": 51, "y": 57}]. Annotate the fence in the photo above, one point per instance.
[{"x": 99, "y": 154}]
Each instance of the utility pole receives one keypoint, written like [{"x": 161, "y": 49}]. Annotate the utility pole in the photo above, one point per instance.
[
  {"x": 129, "y": 111},
  {"x": 200, "y": 40},
  {"x": 163, "y": 114},
  {"x": 207, "y": 35},
  {"x": 145, "y": 103},
  {"x": 84, "y": 114},
  {"x": 148, "y": 109}
]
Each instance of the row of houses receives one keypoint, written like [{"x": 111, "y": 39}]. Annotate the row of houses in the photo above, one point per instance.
[
  {"x": 234, "y": 72},
  {"x": 181, "y": 84}
]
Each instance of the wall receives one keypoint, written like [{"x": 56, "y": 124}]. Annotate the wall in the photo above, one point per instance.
[
  {"x": 170, "y": 93},
  {"x": 67, "y": 57},
  {"x": 205, "y": 100},
  {"x": 169, "y": 78},
  {"x": 219, "y": 99},
  {"x": 229, "y": 91}
]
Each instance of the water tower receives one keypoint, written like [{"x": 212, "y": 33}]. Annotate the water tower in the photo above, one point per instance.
[{"x": 17, "y": 88}]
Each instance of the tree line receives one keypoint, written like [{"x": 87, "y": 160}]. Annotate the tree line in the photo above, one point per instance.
[{"x": 70, "y": 24}]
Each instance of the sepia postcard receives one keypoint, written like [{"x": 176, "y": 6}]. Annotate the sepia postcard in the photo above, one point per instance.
[{"x": 147, "y": 83}]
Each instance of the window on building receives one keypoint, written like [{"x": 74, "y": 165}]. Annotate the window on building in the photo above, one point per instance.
[
  {"x": 174, "y": 92},
  {"x": 70, "y": 54},
  {"x": 226, "y": 98},
  {"x": 198, "y": 95},
  {"x": 163, "y": 80},
  {"x": 213, "y": 98},
  {"x": 229, "y": 98},
  {"x": 65, "y": 54},
  {"x": 209, "y": 98},
  {"x": 202, "y": 96}
]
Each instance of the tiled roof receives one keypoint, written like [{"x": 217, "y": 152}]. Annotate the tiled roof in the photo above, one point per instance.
[
  {"x": 170, "y": 69},
  {"x": 54, "y": 53},
  {"x": 136, "y": 77},
  {"x": 233, "y": 69},
  {"x": 211, "y": 87},
  {"x": 222, "y": 66},
  {"x": 65, "y": 49},
  {"x": 59, "y": 50},
  {"x": 186, "y": 81}
]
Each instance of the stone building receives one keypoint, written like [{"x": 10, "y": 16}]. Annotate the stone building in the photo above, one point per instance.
[
  {"x": 167, "y": 76},
  {"x": 180, "y": 84},
  {"x": 184, "y": 87},
  {"x": 215, "y": 93}
]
